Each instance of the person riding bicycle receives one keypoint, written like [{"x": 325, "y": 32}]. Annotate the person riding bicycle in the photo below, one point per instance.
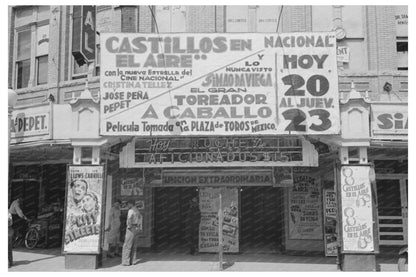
[{"x": 18, "y": 216}]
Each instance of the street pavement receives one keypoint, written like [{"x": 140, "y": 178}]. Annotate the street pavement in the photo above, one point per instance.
[{"x": 52, "y": 260}]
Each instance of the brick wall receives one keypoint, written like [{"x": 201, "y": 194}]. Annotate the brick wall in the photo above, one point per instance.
[
  {"x": 201, "y": 19},
  {"x": 379, "y": 41},
  {"x": 220, "y": 19},
  {"x": 128, "y": 19},
  {"x": 66, "y": 45},
  {"x": 55, "y": 36},
  {"x": 386, "y": 34},
  {"x": 145, "y": 20},
  {"x": 11, "y": 45}
]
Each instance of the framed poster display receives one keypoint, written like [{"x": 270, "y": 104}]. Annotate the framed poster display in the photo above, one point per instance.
[{"x": 84, "y": 200}]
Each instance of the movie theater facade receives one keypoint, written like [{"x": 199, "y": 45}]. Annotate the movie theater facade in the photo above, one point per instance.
[{"x": 269, "y": 121}]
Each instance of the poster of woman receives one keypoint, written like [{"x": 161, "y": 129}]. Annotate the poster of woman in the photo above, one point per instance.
[{"x": 83, "y": 209}]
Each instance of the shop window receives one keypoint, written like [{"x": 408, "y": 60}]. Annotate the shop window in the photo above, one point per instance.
[{"x": 402, "y": 54}]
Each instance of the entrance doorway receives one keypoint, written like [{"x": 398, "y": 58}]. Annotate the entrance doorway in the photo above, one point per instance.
[
  {"x": 29, "y": 191},
  {"x": 261, "y": 219},
  {"x": 170, "y": 216},
  {"x": 392, "y": 209}
]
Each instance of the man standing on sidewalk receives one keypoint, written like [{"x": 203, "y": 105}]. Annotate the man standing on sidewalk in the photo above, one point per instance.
[
  {"x": 132, "y": 230},
  {"x": 194, "y": 218}
]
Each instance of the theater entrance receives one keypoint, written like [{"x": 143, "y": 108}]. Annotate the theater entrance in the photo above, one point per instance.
[
  {"x": 261, "y": 219},
  {"x": 170, "y": 217}
]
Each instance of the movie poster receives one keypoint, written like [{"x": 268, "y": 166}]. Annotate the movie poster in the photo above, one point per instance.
[
  {"x": 330, "y": 213},
  {"x": 132, "y": 187},
  {"x": 208, "y": 228},
  {"x": 357, "y": 209},
  {"x": 83, "y": 209},
  {"x": 305, "y": 206}
]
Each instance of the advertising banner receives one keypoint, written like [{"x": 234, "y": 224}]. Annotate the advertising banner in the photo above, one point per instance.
[
  {"x": 330, "y": 214},
  {"x": 83, "y": 209},
  {"x": 305, "y": 207},
  {"x": 217, "y": 84},
  {"x": 401, "y": 17},
  {"x": 357, "y": 210},
  {"x": 223, "y": 178},
  {"x": 30, "y": 124},
  {"x": 389, "y": 120},
  {"x": 343, "y": 54},
  {"x": 208, "y": 228}
]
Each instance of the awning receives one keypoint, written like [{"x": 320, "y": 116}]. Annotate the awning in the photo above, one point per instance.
[
  {"x": 47, "y": 151},
  {"x": 378, "y": 143}
]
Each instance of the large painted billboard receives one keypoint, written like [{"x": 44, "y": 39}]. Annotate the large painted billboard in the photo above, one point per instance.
[{"x": 218, "y": 84}]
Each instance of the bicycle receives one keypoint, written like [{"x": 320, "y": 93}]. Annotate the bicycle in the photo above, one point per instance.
[{"x": 30, "y": 237}]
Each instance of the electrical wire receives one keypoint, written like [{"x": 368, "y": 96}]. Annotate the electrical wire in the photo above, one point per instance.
[{"x": 278, "y": 20}]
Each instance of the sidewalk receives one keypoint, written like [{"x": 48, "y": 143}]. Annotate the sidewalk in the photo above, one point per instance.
[{"x": 52, "y": 260}]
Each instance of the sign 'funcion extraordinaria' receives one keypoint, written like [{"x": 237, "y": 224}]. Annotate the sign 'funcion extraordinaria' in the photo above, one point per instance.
[{"x": 214, "y": 84}]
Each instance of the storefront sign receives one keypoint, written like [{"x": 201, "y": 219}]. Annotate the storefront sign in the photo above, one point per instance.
[
  {"x": 305, "y": 207},
  {"x": 216, "y": 151},
  {"x": 343, "y": 54},
  {"x": 83, "y": 38},
  {"x": 217, "y": 178},
  {"x": 330, "y": 223},
  {"x": 357, "y": 209},
  {"x": 208, "y": 228},
  {"x": 30, "y": 124},
  {"x": 84, "y": 194},
  {"x": 402, "y": 20},
  {"x": 389, "y": 120},
  {"x": 213, "y": 84}
]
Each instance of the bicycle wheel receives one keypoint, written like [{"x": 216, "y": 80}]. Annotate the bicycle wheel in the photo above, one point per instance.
[{"x": 32, "y": 238}]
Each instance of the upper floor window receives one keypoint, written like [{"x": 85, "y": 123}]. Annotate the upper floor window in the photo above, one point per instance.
[
  {"x": 31, "y": 46},
  {"x": 23, "y": 58}
]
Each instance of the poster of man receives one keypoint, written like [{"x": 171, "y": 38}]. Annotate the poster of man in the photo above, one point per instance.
[{"x": 83, "y": 210}]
